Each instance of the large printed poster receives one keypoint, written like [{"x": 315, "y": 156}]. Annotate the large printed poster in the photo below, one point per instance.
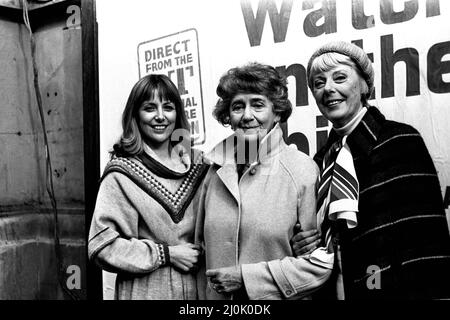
[
  {"x": 407, "y": 41},
  {"x": 177, "y": 56}
]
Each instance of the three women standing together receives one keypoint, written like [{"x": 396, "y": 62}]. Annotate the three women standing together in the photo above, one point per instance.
[{"x": 376, "y": 190}]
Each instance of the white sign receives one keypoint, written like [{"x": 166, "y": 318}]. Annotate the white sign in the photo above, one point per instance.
[
  {"x": 177, "y": 56},
  {"x": 408, "y": 41}
]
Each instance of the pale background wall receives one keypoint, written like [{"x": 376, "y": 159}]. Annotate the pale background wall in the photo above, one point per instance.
[{"x": 27, "y": 259}]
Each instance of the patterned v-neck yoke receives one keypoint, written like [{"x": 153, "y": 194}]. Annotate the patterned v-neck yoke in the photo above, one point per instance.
[{"x": 174, "y": 203}]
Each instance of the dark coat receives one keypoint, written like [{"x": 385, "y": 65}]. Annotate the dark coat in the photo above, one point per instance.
[{"x": 402, "y": 229}]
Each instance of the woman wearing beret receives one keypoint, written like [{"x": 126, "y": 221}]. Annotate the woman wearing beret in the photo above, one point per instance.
[
  {"x": 254, "y": 193},
  {"x": 379, "y": 192}
]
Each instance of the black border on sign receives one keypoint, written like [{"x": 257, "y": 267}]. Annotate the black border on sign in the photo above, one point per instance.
[{"x": 199, "y": 72}]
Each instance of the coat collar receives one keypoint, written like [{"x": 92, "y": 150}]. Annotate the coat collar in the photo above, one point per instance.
[
  {"x": 363, "y": 138},
  {"x": 223, "y": 155}
]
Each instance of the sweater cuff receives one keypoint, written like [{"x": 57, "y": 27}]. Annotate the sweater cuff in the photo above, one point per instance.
[{"x": 163, "y": 254}]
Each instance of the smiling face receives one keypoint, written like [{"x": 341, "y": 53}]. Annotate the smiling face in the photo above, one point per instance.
[
  {"x": 157, "y": 119},
  {"x": 338, "y": 91},
  {"x": 252, "y": 116}
]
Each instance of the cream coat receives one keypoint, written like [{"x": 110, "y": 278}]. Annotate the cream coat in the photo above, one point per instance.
[{"x": 250, "y": 222}]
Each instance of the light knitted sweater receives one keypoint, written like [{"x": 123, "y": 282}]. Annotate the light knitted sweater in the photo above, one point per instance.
[{"x": 127, "y": 227}]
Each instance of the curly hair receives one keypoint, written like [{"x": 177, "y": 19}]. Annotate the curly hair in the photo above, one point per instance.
[
  {"x": 253, "y": 78},
  {"x": 131, "y": 141}
]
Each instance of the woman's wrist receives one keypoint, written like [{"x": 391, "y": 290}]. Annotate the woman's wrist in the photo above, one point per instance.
[{"x": 163, "y": 254}]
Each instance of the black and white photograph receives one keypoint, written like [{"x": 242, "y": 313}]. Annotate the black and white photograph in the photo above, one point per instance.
[{"x": 236, "y": 151}]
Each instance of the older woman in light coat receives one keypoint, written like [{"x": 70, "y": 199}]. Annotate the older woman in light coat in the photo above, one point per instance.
[{"x": 256, "y": 190}]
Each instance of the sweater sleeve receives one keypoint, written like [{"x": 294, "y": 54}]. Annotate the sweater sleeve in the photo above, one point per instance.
[
  {"x": 113, "y": 237},
  {"x": 290, "y": 277}
]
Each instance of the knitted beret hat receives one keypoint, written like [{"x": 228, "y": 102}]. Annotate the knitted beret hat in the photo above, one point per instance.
[{"x": 358, "y": 56}]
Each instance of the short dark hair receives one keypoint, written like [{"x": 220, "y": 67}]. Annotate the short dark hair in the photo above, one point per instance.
[
  {"x": 254, "y": 78},
  {"x": 131, "y": 142}
]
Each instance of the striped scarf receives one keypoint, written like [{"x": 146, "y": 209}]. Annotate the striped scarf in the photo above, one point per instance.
[{"x": 338, "y": 189}]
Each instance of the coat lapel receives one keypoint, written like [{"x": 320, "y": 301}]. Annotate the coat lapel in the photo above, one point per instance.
[
  {"x": 223, "y": 156},
  {"x": 365, "y": 136},
  {"x": 228, "y": 175}
]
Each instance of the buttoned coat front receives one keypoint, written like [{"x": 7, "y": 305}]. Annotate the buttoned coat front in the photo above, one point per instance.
[{"x": 249, "y": 222}]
